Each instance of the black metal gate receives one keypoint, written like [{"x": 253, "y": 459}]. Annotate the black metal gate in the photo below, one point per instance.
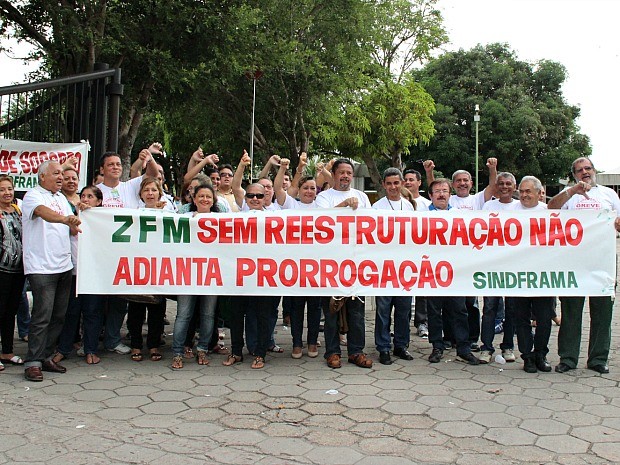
[{"x": 70, "y": 109}]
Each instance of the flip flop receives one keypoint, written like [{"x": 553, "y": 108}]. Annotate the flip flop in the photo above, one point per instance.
[{"x": 14, "y": 360}]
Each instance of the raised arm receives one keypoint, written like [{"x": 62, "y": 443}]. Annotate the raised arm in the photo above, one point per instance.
[
  {"x": 293, "y": 189},
  {"x": 197, "y": 162},
  {"x": 491, "y": 189},
  {"x": 323, "y": 173},
  {"x": 238, "y": 191},
  {"x": 279, "y": 180},
  {"x": 429, "y": 166},
  {"x": 142, "y": 162},
  {"x": 273, "y": 162}
]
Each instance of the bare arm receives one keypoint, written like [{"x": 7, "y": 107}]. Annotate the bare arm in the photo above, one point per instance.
[
  {"x": 279, "y": 180},
  {"x": 273, "y": 162},
  {"x": 491, "y": 189},
  {"x": 293, "y": 189},
  {"x": 324, "y": 174},
  {"x": 559, "y": 200},
  {"x": 237, "y": 190},
  {"x": 49, "y": 215},
  {"x": 197, "y": 163},
  {"x": 429, "y": 166}
]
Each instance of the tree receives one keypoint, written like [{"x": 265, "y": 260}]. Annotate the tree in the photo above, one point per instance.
[{"x": 525, "y": 121}]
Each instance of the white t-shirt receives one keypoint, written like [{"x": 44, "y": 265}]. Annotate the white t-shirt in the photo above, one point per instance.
[
  {"x": 331, "y": 197},
  {"x": 601, "y": 197},
  {"x": 125, "y": 195},
  {"x": 47, "y": 246},
  {"x": 471, "y": 202},
  {"x": 422, "y": 204},
  {"x": 495, "y": 205},
  {"x": 540, "y": 206},
  {"x": 294, "y": 204},
  {"x": 399, "y": 205}
]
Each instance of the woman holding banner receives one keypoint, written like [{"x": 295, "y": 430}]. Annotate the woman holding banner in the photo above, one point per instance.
[
  {"x": 307, "y": 196},
  {"x": 204, "y": 199},
  {"x": 150, "y": 193},
  {"x": 11, "y": 269}
]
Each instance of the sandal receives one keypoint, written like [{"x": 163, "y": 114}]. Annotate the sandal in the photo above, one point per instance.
[
  {"x": 277, "y": 349},
  {"x": 14, "y": 360},
  {"x": 177, "y": 362},
  {"x": 93, "y": 359},
  {"x": 333, "y": 361},
  {"x": 201, "y": 357},
  {"x": 232, "y": 359},
  {"x": 155, "y": 356},
  {"x": 218, "y": 349},
  {"x": 1, "y": 367},
  {"x": 360, "y": 360},
  {"x": 135, "y": 356},
  {"x": 189, "y": 353},
  {"x": 258, "y": 363}
]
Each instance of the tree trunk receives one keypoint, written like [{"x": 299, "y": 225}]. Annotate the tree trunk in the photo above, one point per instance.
[{"x": 375, "y": 176}]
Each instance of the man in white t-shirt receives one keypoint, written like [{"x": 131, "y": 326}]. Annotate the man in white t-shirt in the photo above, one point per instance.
[
  {"x": 119, "y": 194},
  {"x": 493, "y": 306},
  {"x": 533, "y": 348},
  {"x": 47, "y": 224},
  {"x": 342, "y": 195},
  {"x": 585, "y": 194},
  {"x": 393, "y": 201},
  {"x": 413, "y": 181}
]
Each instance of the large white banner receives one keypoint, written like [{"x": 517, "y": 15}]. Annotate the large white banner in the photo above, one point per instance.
[
  {"x": 21, "y": 159},
  {"x": 345, "y": 252}
]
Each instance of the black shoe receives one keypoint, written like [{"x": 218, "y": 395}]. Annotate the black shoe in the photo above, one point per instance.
[
  {"x": 435, "y": 356},
  {"x": 403, "y": 353},
  {"x": 602, "y": 369},
  {"x": 384, "y": 358},
  {"x": 562, "y": 368},
  {"x": 469, "y": 358},
  {"x": 447, "y": 345},
  {"x": 474, "y": 347},
  {"x": 542, "y": 364},
  {"x": 529, "y": 365}
]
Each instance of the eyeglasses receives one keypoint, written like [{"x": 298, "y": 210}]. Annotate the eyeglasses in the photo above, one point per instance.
[
  {"x": 250, "y": 195},
  {"x": 225, "y": 175},
  {"x": 585, "y": 168}
]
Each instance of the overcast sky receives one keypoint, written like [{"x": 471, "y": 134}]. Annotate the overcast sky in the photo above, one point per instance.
[{"x": 580, "y": 34}]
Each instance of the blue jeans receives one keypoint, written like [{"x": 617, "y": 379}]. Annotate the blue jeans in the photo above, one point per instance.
[
  {"x": 114, "y": 317},
  {"x": 297, "y": 319},
  {"x": 531, "y": 345},
  {"x": 89, "y": 308},
  {"x": 356, "y": 336},
  {"x": 185, "y": 311},
  {"x": 50, "y": 294},
  {"x": 456, "y": 311},
  {"x": 383, "y": 320},
  {"x": 492, "y": 308}
]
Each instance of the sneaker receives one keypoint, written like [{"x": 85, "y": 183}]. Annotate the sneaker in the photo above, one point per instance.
[
  {"x": 435, "y": 356},
  {"x": 509, "y": 355},
  {"x": 80, "y": 352},
  {"x": 485, "y": 356},
  {"x": 423, "y": 331},
  {"x": 121, "y": 349},
  {"x": 468, "y": 358}
]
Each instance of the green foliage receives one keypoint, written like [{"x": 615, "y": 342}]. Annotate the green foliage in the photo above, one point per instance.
[{"x": 525, "y": 122}]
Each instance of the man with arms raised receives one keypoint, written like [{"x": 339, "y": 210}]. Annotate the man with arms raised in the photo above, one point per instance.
[
  {"x": 585, "y": 194},
  {"x": 119, "y": 194},
  {"x": 48, "y": 223},
  {"x": 342, "y": 195}
]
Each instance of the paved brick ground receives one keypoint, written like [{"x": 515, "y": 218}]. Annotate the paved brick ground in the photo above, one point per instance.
[{"x": 301, "y": 412}]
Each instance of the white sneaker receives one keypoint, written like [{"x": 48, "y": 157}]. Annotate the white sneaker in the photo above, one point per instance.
[
  {"x": 509, "y": 355},
  {"x": 122, "y": 349},
  {"x": 484, "y": 356},
  {"x": 423, "y": 331}
]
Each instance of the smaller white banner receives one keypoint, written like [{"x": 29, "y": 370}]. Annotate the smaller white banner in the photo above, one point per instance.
[{"x": 21, "y": 160}]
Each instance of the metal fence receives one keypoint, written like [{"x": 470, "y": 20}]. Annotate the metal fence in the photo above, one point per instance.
[{"x": 70, "y": 109}]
